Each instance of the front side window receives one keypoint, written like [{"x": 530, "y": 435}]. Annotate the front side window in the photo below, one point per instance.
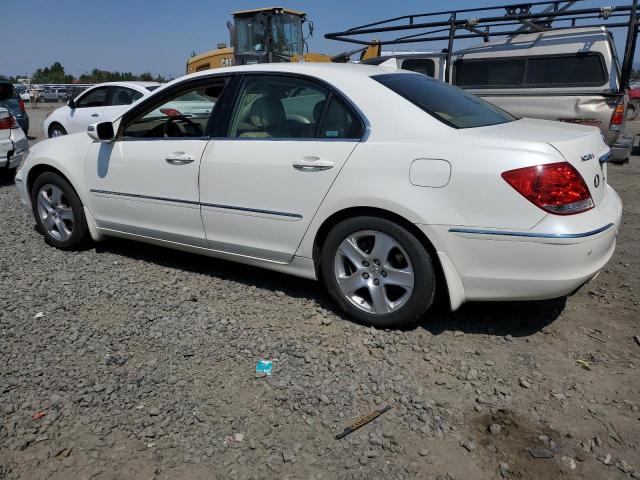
[
  {"x": 251, "y": 34},
  {"x": 183, "y": 115},
  {"x": 271, "y": 106},
  {"x": 286, "y": 33},
  {"x": 94, "y": 98},
  {"x": 446, "y": 103},
  {"x": 124, "y": 96}
]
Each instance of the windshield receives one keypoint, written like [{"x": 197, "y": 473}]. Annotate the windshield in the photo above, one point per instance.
[
  {"x": 286, "y": 30},
  {"x": 251, "y": 34},
  {"x": 447, "y": 103}
]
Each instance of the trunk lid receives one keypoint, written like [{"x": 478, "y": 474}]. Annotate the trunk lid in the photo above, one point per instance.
[{"x": 581, "y": 146}]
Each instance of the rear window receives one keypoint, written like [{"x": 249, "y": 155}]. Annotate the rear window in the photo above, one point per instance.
[
  {"x": 538, "y": 72},
  {"x": 151, "y": 88},
  {"x": 446, "y": 103},
  {"x": 6, "y": 92}
]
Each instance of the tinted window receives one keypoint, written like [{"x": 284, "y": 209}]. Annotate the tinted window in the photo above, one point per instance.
[
  {"x": 151, "y": 88},
  {"x": 6, "y": 92},
  {"x": 448, "y": 104},
  {"x": 558, "y": 70},
  {"x": 489, "y": 73},
  {"x": 576, "y": 70},
  {"x": 184, "y": 114},
  {"x": 420, "y": 65},
  {"x": 339, "y": 122},
  {"x": 94, "y": 98},
  {"x": 123, "y": 96}
]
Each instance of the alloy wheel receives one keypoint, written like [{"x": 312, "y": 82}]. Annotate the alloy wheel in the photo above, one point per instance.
[
  {"x": 55, "y": 212},
  {"x": 374, "y": 272}
]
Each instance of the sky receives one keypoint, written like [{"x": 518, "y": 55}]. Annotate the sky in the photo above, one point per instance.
[{"x": 159, "y": 35}]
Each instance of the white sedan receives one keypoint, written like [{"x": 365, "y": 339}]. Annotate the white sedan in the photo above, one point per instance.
[
  {"x": 104, "y": 101},
  {"x": 386, "y": 186}
]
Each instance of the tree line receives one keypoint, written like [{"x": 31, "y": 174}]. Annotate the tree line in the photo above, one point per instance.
[{"x": 56, "y": 74}]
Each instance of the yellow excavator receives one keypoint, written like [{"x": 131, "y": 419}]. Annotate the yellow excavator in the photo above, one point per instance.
[{"x": 270, "y": 35}]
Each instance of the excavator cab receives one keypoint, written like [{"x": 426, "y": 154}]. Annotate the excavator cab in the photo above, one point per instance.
[{"x": 267, "y": 35}]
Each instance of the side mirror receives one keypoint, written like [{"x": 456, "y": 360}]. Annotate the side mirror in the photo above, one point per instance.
[
  {"x": 102, "y": 132},
  {"x": 71, "y": 103}
]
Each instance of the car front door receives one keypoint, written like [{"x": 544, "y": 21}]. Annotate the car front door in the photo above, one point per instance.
[
  {"x": 261, "y": 185},
  {"x": 88, "y": 109},
  {"x": 145, "y": 183}
]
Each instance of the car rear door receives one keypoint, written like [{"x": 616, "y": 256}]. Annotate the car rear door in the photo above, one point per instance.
[{"x": 262, "y": 183}]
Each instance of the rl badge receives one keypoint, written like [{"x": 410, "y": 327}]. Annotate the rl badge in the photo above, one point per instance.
[{"x": 588, "y": 156}]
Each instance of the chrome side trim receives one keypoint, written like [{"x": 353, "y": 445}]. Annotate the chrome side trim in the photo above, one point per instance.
[
  {"x": 507, "y": 233},
  {"x": 193, "y": 202},
  {"x": 253, "y": 210},
  {"x": 144, "y": 197}
]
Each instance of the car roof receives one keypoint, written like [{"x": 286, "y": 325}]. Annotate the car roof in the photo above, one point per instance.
[
  {"x": 326, "y": 71},
  {"x": 139, "y": 85}
]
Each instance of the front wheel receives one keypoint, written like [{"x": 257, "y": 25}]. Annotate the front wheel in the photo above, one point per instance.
[
  {"x": 378, "y": 272},
  {"x": 56, "y": 130},
  {"x": 59, "y": 212}
]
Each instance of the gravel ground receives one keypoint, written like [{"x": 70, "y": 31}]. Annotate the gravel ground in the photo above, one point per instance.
[{"x": 131, "y": 361}]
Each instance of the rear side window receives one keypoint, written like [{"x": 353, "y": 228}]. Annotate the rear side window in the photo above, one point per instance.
[
  {"x": 123, "y": 96},
  {"x": 420, "y": 65},
  {"x": 538, "y": 72},
  {"x": 446, "y": 103}
]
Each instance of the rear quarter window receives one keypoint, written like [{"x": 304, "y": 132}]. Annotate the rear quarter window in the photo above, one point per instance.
[{"x": 449, "y": 104}]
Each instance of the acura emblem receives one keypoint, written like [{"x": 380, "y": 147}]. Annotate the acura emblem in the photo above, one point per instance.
[{"x": 588, "y": 156}]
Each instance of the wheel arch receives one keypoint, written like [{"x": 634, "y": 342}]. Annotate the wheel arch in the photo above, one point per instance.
[
  {"x": 52, "y": 124},
  {"x": 442, "y": 293}
]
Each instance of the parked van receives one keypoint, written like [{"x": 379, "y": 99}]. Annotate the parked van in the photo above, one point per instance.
[{"x": 570, "y": 75}]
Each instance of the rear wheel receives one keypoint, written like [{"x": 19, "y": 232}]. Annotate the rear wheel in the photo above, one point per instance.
[
  {"x": 59, "y": 212},
  {"x": 56, "y": 130},
  {"x": 378, "y": 271}
]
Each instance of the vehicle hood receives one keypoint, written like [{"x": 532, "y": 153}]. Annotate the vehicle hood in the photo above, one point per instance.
[{"x": 581, "y": 146}]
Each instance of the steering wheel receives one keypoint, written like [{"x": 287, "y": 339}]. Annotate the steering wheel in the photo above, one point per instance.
[{"x": 190, "y": 123}]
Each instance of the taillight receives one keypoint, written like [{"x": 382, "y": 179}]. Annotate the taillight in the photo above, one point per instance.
[
  {"x": 617, "y": 117},
  {"x": 21, "y": 105},
  {"x": 554, "y": 187},
  {"x": 9, "y": 122}
]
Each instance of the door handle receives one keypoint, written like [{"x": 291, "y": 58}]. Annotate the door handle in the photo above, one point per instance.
[
  {"x": 179, "y": 158},
  {"x": 95, "y": 114},
  {"x": 312, "y": 164}
]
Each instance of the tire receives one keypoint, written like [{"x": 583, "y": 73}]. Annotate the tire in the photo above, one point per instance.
[
  {"x": 56, "y": 130},
  {"x": 353, "y": 287},
  {"x": 59, "y": 213}
]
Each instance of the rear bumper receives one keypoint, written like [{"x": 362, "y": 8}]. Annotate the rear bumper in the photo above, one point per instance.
[
  {"x": 621, "y": 149},
  {"x": 551, "y": 260}
]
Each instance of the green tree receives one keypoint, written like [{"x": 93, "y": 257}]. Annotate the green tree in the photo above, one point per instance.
[{"x": 53, "y": 74}]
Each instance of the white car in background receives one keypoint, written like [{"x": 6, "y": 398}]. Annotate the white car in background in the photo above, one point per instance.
[
  {"x": 104, "y": 101},
  {"x": 13, "y": 142},
  {"x": 386, "y": 186}
]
